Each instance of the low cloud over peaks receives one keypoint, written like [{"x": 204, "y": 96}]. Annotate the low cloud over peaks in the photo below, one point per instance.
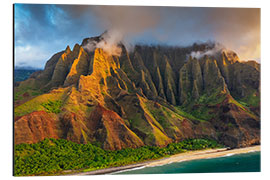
[{"x": 109, "y": 42}]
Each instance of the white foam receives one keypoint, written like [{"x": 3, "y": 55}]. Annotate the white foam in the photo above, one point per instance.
[
  {"x": 131, "y": 169},
  {"x": 210, "y": 157},
  {"x": 230, "y": 154}
]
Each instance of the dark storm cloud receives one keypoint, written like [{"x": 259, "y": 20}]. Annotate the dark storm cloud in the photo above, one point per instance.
[
  {"x": 48, "y": 22},
  {"x": 42, "y": 30},
  {"x": 49, "y": 28}
]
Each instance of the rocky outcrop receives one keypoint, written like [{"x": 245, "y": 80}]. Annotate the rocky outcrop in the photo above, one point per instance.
[
  {"x": 245, "y": 81},
  {"x": 61, "y": 68},
  {"x": 46, "y": 75},
  {"x": 142, "y": 122},
  {"x": 34, "y": 127},
  {"x": 144, "y": 85},
  {"x": 184, "y": 84},
  {"x": 73, "y": 128},
  {"x": 144, "y": 76},
  {"x": 159, "y": 83},
  {"x": 170, "y": 86},
  {"x": 95, "y": 84},
  {"x": 109, "y": 128},
  {"x": 79, "y": 67},
  {"x": 190, "y": 81},
  {"x": 237, "y": 126},
  {"x": 213, "y": 80}
]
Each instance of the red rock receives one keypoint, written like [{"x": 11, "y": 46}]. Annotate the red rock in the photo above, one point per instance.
[
  {"x": 111, "y": 129},
  {"x": 34, "y": 127},
  {"x": 73, "y": 128}
]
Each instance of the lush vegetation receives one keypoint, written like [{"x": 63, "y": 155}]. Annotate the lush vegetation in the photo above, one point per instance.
[
  {"x": 200, "y": 109},
  {"x": 52, "y": 106},
  {"x": 55, "y": 156},
  {"x": 50, "y": 102},
  {"x": 179, "y": 110},
  {"x": 19, "y": 93}
]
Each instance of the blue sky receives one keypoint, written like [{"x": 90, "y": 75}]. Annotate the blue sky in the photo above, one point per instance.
[{"x": 42, "y": 30}]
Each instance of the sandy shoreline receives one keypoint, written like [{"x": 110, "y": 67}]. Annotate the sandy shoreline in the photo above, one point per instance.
[
  {"x": 187, "y": 156},
  {"x": 203, "y": 154}
]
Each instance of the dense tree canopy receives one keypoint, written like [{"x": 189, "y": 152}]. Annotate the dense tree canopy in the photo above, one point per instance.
[{"x": 52, "y": 156}]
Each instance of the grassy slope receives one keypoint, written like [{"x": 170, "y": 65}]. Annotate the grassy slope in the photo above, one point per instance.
[
  {"x": 37, "y": 103},
  {"x": 26, "y": 89}
]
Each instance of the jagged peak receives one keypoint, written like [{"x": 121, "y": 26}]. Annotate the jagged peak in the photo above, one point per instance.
[
  {"x": 192, "y": 60},
  {"x": 76, "y": 47},
  {"x": 211, "y": 62},
  {"x": 99, "y": 51},
  {"x": 195, "y": 91},
  {"x": 142, "y": 75},
  {"x": 230, "y": 55},
  {"x": 105, "y": 32},
  {"x": 68, "y": 50},
  {"x": 81, "y": 50},
  {"x": 168, "y": 65},
  {"x": 214, "y": 51}
]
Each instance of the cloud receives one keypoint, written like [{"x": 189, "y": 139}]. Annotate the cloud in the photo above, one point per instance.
[
  {"x": 47, "y": 29},
  {"x": 235, "y": 28},
  {"x": 60, "y": 25},
  {"x": 128, "y": 20},
  {"x": 212, "y": 52},
  {"x": 109, "y": 42},
  {"x": 122, "y": 24},
  {"x": 30, "y": 56}
]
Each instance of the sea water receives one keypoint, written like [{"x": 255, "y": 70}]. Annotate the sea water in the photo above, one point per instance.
[{"x": 247, "y": 162}]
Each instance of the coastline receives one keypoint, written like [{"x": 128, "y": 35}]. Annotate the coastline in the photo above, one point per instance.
[
  {"x": 186, "y": 156},
  {"x": 203, "y": 154}
]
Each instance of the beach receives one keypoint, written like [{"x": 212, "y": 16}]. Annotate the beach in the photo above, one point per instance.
[
  {"x": 186, "y": 156},
  {"x": 203, "y": 154}
]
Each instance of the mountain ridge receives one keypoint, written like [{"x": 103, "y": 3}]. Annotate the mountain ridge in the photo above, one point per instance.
[{"x": 153, "y": 94}]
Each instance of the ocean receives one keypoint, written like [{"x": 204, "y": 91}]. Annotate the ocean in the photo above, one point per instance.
[{"x": 247, "y": 162}]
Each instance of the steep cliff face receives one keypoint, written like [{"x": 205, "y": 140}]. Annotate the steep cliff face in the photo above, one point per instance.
[
  {"x": 151, "y": 96},
  {"x": 190, "y": 81},
  {"x": 79, "y": 67},
  {"x": 237, "y": 125},
  {"x": 110, "y": 128}
]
